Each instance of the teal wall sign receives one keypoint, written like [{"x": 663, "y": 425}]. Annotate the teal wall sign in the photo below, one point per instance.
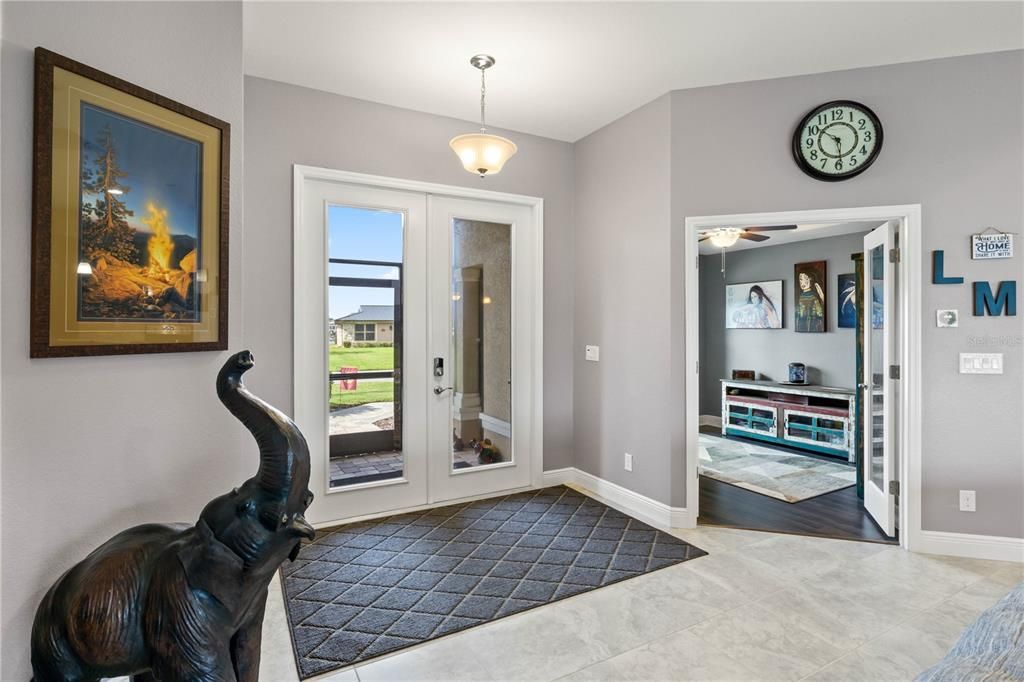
[
  {"x": 1005, "y": 298},
  {"x": 938, "y": 270}
]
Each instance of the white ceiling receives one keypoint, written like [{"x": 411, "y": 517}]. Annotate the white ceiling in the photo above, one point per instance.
[
  {"x": 803, "y": 232},
  {"x": 566, "y": 69}
]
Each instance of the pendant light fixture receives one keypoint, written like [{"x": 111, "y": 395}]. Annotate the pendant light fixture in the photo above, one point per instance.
[{"x": 482, "y": 153}]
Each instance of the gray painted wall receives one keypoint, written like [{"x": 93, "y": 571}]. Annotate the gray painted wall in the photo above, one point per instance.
[
  {"x": 622, "y": 302},
  {"x": 287, "y": 124},
  {"x": 943, "y": 151},
  {"x": 830, "y": 357},
  {"x": 94, "y": 445}
]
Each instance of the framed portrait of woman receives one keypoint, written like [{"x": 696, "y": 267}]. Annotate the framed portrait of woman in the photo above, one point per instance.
[
  {"x": 754, "y": 305},
  {"x": 810, "y": 312}
]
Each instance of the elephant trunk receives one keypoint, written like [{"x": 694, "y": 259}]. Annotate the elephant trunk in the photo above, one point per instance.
[{"x": 284, "y": 455}]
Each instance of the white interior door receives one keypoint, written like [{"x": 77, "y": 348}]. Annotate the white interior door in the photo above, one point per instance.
[
  {"x": 484, "y": 324},
  {"x": 360, "y": 356},
  {"x": 879, "y": 382}
]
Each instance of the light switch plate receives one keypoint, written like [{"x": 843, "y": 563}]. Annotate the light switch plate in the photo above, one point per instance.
[
  {"x": 968, "y": 501},
  {"x": 593, "y": 353},
  {"x": 981, "y": 363}
]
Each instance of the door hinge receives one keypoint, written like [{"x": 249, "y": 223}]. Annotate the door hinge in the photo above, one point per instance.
[
  {"x": 894, "y": 255},
  {"x": 894, "y": 488},
  {"x": 894, "y": 371}
]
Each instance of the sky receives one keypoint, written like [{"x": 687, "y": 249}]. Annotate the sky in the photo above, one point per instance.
[
  {"x": 362, "y": 234},
  {"x": 161, "y": 167}
]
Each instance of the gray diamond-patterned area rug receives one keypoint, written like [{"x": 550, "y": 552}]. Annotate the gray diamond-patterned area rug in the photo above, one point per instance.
[{"x": 365, "y": 589}]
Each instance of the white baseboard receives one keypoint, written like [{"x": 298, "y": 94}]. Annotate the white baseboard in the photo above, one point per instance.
[
  {"x": 972, "y": 546},
  {"x": 657, "y": 514},
  {"x": 558, "y": 477},
  {"x": 711, "y": 420}
]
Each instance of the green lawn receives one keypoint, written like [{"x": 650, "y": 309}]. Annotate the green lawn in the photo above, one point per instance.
[
  {"x": 368, "y": 392},
  {"x": 365, "y": 360}
]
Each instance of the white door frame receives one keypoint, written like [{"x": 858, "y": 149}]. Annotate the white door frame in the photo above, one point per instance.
[
  {"x": 909, "y": 301},
  {"x": 302, "y": 173}
]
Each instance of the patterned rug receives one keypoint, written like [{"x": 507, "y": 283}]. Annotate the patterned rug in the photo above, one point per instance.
[
  {"x": 769, "y": 471},
  {"x": 366, "y": 589}
]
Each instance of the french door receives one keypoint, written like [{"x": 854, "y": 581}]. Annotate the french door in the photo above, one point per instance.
[
  {"x": 416, "y": 346},
  {"x": 483, "y": 316},
  {"x": 880, "y": 381},
  {"x": 360, "y": 399}
]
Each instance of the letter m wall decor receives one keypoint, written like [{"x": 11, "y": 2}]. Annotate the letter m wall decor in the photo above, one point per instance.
[{"x": 1005, "y": 299}]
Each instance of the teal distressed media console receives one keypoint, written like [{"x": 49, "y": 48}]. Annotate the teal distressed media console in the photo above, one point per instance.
[{"x": 815, "y": 418}]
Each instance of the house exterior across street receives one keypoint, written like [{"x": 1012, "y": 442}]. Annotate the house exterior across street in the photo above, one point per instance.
[{"x": 371, "y": 324}]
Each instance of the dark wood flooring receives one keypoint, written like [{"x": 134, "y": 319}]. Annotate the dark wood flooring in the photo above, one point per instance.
[{"x": 838, "y": 514}]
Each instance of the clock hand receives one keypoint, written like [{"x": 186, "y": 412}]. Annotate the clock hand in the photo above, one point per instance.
[{"x": 839, "y": 145}]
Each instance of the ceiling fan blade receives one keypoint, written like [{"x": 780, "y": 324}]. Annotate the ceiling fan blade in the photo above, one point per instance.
[
  {"x": 704, "y": 238},
  {"x": 754, "y": 237},
  {"x": 769, "y": 228}
]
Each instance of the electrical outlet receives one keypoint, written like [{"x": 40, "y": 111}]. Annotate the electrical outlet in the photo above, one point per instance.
[
  {"x": 629, "y": 462},
  {"x": 593, "y": 353},
  {"x": 967, "y": 501}
]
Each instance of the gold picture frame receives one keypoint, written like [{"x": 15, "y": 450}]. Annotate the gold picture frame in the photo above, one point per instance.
[{"x": 130, "y": 218}]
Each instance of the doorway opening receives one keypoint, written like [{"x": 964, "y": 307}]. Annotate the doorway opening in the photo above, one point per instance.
[{"x": 800, "y": 390}]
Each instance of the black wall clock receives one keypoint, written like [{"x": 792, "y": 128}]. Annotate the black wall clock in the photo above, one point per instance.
[{"x": 837, "y": 140}]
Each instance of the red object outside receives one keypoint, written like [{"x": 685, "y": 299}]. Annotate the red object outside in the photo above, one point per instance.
[{"x": 348, "y": 384}]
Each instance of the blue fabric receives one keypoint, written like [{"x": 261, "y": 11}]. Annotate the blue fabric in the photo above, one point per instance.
[{"x": 990, "y": 650}]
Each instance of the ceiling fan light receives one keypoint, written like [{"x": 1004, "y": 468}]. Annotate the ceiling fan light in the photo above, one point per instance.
[
  {"x": 482, "y": 153},
  {"x": 725, "y": 237}
]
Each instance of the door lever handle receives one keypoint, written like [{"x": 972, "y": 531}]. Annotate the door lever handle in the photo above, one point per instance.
[{"x": 438, "y": 390}]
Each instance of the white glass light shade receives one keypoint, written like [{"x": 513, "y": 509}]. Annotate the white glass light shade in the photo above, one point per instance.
[
  {"x": 725, "y": 237},
  {"x": 481, "y": 153},
  {"x": 84, "y": 268}
]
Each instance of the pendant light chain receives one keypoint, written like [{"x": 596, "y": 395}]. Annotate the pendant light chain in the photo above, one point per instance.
[{"x": 483, "y": 97}]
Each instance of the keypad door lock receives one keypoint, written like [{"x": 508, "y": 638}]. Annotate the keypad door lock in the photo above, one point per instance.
[{"x": 438, "y": 367}]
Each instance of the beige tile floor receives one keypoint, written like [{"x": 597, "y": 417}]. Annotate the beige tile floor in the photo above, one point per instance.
[{"x": 761, "y": 606}]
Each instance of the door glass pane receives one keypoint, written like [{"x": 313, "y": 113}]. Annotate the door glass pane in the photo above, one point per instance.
[
  {"x": 365, "y": 344},
  {"x": 876, "y": 367},
  {"x": 481, "y": 344}
]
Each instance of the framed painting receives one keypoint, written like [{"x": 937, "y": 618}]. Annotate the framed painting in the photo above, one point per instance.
[
  {"x": 847, "y": 317},
  {"x": 754, "y": 305},
  {"x": 130, "y": 218},
  {"x": 810, "y": 315}
]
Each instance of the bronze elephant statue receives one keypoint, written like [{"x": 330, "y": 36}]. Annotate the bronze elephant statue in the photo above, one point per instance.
[{"x": 174, "y": 602}]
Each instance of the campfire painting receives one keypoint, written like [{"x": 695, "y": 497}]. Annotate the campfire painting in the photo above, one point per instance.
[
  {"x": 130, "y": 216},
  {"x": 139, "y": 223}
]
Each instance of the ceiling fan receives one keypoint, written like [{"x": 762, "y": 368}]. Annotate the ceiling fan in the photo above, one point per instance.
[{"x": 724, "y": 237}]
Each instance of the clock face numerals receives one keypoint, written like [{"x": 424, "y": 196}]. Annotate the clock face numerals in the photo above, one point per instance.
[{"x": 837, "y": 140}]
